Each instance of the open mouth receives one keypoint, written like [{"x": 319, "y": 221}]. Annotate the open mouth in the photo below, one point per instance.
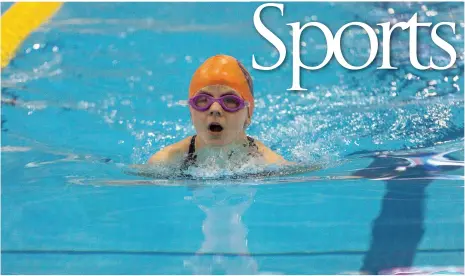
[{"x": 215, "y": 127}]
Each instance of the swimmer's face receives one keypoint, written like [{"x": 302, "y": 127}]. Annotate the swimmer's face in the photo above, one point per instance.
[{"x": 215, "y": 126}]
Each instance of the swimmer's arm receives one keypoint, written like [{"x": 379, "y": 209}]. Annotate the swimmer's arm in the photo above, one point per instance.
[
  {"x": 171, "y": 154},
  {"x": 163, "y": 156},
  {"x": 270, "y": 156}
]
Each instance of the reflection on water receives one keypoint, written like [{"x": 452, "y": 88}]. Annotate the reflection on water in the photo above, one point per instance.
[
  {"x": 86, "y": 94},
  {"x": 224, "y": 231},
  {"x": 413, "y": 165},
  {"x": 399, "y": 228}
]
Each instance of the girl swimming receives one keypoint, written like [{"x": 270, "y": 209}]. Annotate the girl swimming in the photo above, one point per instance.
[{"x": 221, "y": 104}]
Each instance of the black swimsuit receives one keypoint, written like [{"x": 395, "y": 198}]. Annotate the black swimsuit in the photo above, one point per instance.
[{"x": 191, "y": 157}]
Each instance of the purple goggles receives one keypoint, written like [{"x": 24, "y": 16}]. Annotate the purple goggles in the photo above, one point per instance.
[{"x": 230, "y": 103}]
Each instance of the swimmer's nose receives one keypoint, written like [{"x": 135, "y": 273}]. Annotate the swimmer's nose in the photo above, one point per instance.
[{"x": 216, "y": 109}]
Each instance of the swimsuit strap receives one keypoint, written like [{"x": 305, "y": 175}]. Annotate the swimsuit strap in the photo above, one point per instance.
[
  {"x": 191, "y": 157},
  {"x": 191, "y": 147}
]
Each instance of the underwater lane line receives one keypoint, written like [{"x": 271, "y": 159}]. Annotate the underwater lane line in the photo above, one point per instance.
[
  {"x": 19, "y": 21},
  {"x": 180, "y": 253}
]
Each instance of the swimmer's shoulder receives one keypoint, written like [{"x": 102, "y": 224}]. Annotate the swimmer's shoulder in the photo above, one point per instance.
[
  {"x": 270, "y": 156},
  {"x": 171, "y": 153}
]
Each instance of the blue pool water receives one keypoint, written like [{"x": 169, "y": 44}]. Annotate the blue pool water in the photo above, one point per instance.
[{"x": 98, "y": 88}]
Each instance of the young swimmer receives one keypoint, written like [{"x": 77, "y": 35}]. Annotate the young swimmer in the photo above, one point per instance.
[{"x": 221, "y": 104}]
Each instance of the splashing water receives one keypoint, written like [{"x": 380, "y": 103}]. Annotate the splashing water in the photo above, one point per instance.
[{"x": 94, "y": 93}]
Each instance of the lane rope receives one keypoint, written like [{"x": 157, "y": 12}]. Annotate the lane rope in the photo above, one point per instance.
[{"x": 19, "y": 21}]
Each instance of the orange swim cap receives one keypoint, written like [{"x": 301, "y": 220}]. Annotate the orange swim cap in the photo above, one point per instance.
[{"x": 224, "y": 70}]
